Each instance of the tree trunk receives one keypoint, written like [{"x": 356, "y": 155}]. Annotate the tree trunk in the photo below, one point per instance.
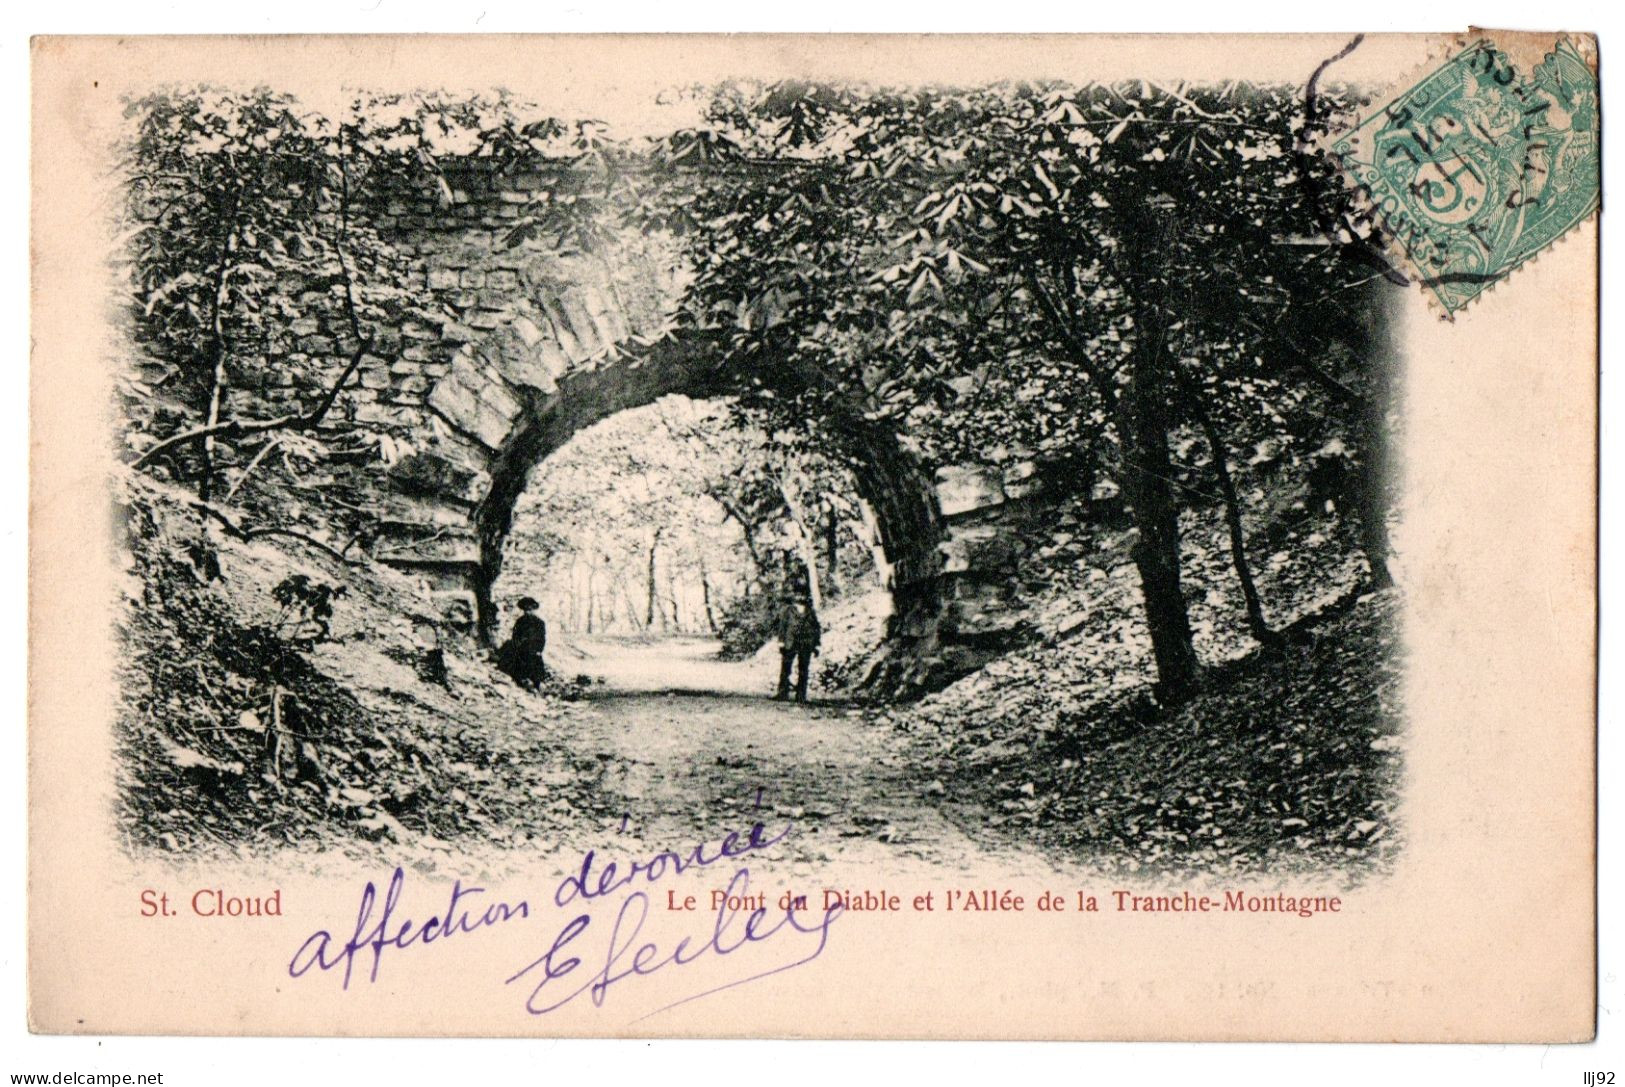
[
  {"x": 649, "y": 617},
  {"x": 217, "y": 377},
  {"x": 809, "y": 561},
  {"x": 804, "y": 545},
  {"x": 1148, "y": 486},
  {"x": 1381, "y": 362},
  {"x": 676, "y": 623},
  {"x": 632, "y": 618},
  {"x": 749, "y": 533},
  {"x": 1256, "y": 624},
  {"x": 705, "y": 597},
  {"x": 592, "y": 597},
  {"x": 832, "y": 547},
  {"x": 1369, "y": 333}
]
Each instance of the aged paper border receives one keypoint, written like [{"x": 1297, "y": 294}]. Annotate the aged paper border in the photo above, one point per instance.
[{"x": 1531, "y": 789}]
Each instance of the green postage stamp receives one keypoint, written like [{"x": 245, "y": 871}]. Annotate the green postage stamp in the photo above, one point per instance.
[{"x": 1477, "y": 168}]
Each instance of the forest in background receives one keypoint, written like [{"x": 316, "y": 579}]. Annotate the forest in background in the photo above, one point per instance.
[{"x": 681, "y": 518}]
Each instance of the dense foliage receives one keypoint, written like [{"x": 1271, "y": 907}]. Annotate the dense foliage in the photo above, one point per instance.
[
  {"x": 253, "y": 232},
  {"x": 1078, "y": 272}
]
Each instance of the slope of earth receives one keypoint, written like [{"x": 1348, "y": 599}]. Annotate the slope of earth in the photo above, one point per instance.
[
  {"x": 245, "y": 725},
  {"x": 1287, "y": 760}
]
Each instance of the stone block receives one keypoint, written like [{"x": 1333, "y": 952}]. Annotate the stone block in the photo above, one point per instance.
[
  {"x": 459, "y": 608},
  {"x": 389, "y": 414},
  {"x": 425, "y": 490},
  {"x": 578, "y": 319},
  {"x": 476, "y": 402},
  {"x": 425, "y": 352},
  {"x": 964, "y": 488},
  {"x": 472, "y": 277},
  {"x": 1019, "y": 471},
  {"x": 569, "y": 343},
  {"x": 982, "y": 608},
  {"x": 443, "y": 279},
  {"x": 520, "y": 365},
  {"x": 553, "y": 359},
  {"x": 606, "y": 316},
  {"x": 529, "y": 332},
  {"x": 410, "y": 545},
  {"x": 982, "y": 549},
  {"x": 1025, "y": 489},
  {"x": 457, "y": 402}
]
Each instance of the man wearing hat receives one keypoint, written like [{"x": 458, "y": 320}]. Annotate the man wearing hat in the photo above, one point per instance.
[
  {"x": 799, "y": 635},
  {"x": 521, "y": 655}
]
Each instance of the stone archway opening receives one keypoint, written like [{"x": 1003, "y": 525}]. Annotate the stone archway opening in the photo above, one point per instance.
[
  {"x": 676, "y": 531},
  {"x": 495, "y": 433},
  {"x": 895, "y": 494}
]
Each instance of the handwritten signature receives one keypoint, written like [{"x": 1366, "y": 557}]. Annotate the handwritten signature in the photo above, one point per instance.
[{"x": 620, "y": 961}]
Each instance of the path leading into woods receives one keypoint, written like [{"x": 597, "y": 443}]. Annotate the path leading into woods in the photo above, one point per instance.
[{"x": 689, "y": 744}]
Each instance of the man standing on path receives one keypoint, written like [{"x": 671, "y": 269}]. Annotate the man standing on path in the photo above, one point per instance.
[{"x": 799, "y": 635}]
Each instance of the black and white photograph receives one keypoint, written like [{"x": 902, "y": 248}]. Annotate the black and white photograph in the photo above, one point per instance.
[
  {"x": 969, "y": 467},
  {"x": 738, "y": 536}
]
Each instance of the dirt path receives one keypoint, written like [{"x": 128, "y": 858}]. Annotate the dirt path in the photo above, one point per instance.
[{"x": 687, "y": 746}]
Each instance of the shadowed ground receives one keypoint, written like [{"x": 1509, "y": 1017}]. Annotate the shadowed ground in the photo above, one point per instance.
[{"x": 686, "y": 744}]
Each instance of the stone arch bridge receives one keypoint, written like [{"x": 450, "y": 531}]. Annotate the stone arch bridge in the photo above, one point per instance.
[{"x": 535, "y": 347}]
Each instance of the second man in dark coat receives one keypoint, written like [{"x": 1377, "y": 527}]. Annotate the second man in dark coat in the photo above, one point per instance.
[{"x": 799, "y": 635}]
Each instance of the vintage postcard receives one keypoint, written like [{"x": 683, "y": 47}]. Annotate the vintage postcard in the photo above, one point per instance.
[{"x": 791, "y": 536}]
